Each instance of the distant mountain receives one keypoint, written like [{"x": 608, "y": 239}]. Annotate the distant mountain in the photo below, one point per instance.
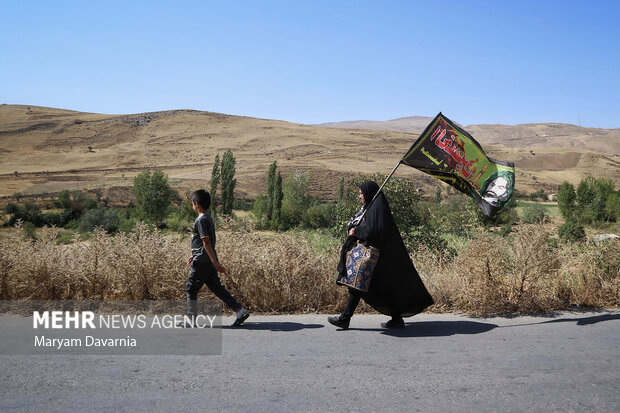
[
  {"x": 410, "y": 124},
  {"x": 605, "y": 141}
]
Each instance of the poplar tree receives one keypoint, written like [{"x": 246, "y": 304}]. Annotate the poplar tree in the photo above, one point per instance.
[
  {"x": 341, "y": 189},
  {"x": 228, "y": 182},
  {"x": 215, "y": 181},
  {"x": 277, "y": 200},
  {"x": 271, "y": 182}
]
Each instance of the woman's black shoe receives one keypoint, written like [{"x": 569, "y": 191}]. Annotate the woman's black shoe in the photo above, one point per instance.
[
  {"x": 340, "y": 321},
  {"x": 394, "y": 323}
]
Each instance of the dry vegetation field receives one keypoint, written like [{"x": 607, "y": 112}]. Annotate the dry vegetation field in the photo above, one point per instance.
[{"x": 284, "y": 273}]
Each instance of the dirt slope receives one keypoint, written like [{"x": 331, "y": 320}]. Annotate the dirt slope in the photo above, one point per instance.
[{"x": 46, "y": 150}]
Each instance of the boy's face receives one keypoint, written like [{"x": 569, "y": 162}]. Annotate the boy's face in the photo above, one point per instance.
[{"x": 196, "y": 207}]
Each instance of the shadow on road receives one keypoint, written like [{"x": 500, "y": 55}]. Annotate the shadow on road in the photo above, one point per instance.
[
  {"x": 434, "y": 329},
  {"x": 275, "y": 326},
  {"x": 580, "y": 321},
  {"x": 588, "y": 320}
]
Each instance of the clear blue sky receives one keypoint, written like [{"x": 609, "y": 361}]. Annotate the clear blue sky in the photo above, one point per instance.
[{"x": 319, "y": 61}]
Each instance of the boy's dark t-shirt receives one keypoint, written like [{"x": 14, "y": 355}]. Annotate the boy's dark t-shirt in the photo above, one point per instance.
[{"x": 203, "y": 227}]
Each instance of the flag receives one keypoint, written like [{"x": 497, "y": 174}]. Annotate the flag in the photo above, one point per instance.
[{"x": 447, "y": 152}]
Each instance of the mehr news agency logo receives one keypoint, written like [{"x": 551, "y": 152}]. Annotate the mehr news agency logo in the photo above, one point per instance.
[{"x": 87, "y": 320}]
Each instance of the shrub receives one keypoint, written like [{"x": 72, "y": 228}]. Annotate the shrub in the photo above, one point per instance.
[
  {"x": 457, "y": 214},
  {"x": 108, "y": 219},
  {"x": 243, "y": 204},
  {"x": 319, "y": 216},
  {"x": 492, "y": 275},
  {"x": 426, "y": 238},
  {"x": 28, "y": 212},
  {"x": 30, "y": 232},
  {"x": 73, "y": 205},
  {"x": 534, "y": 214},
  {"x": 572, "y": 231},
  {"x": 181, "y": 217}
]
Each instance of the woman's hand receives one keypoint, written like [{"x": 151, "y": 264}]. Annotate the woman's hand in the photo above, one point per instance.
[
  {"x": 189, "y": 262},
  {"x": 352, "y": 232}
]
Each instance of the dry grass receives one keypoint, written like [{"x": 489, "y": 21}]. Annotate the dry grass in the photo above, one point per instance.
[
  {"x": 524, "y": 274},
  {"x": 268, "y": 274},
  {"x": 490, "y": 274}
]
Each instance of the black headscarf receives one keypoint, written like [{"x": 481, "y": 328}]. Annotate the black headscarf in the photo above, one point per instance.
[
  {"x": 369, "y": 189},
  {"x": 396, "y": 287}
]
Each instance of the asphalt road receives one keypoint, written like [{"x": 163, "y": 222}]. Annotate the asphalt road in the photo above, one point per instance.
[{"x": 437, "y": 363}]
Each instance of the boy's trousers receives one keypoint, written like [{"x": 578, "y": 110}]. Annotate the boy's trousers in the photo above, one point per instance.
[{"x": 205, "y": 273}]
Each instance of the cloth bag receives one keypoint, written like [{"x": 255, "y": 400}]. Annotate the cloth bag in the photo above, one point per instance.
[{"x": 360, "y": 264}]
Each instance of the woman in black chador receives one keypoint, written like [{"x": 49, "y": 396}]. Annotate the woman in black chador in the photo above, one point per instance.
[{"x": 395, "y": 287}]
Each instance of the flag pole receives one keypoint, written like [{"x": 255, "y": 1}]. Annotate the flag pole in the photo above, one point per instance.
[{"x": 386, "y": 179}]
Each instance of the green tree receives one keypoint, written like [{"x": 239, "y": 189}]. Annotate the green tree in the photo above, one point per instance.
[
  {"x": 566, "y": 199},
  {"x": 604, "y": 189},
  {"x": 586, "y": 200},
  {"x": 153, "y": 195},
  {"x": 340, "y": 189},
  {"x": 260, "y": 210},
  {"x": 63, "y": 200},
  {"x": 271, "y": 183},
  {"x": 296, "y": 199},
  {"x": 215, "y": 181},
  {"x": 228, "y": 182},
  {"x": 438, "y": 194},
  {"x": 592, "y": 195},
  {"x": 612, "y": 207},
  {"x": 278, "y": 195}
]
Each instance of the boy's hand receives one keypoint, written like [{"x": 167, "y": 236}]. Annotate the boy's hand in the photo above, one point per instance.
[
  {"x": 189, "y": 262},
  {"x": 219, "y": 267}
]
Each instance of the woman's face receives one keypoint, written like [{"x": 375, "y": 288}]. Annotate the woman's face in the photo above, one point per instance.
[{"x": 362, "y": 199}]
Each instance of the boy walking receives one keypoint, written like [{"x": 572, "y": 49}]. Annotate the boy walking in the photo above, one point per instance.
[{"x": 204, "y": 263}]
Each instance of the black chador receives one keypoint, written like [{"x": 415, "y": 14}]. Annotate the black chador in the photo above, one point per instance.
[{"x": 395, "y": 288}]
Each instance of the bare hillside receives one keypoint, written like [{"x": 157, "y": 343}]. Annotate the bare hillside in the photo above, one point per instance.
[{"x": 47, "y": 150}]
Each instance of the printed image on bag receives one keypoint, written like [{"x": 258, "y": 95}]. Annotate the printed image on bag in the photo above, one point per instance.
[{"x": 361, "y": 261}]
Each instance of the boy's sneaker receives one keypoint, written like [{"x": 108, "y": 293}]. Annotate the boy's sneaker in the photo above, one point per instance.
[{"x": 241, "y": 316}]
